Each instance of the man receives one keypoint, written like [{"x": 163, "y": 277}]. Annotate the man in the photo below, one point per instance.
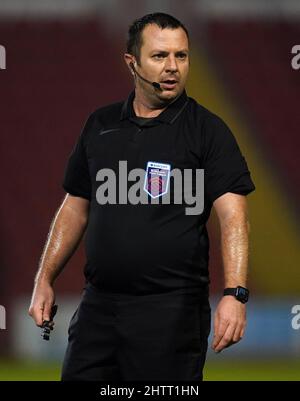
[{"x": 145, "y": 314}]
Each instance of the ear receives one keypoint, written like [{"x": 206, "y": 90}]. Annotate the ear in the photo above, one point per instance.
[{"x": 129, "y": 60}]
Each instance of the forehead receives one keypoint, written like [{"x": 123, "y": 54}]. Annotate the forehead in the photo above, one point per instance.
[{"x": 153, "y": 37}]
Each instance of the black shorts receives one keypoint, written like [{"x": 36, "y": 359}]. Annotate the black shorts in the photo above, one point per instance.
[{"x": 138, "y": 337}]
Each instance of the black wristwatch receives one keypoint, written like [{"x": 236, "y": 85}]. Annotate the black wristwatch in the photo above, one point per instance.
[{"x": 240, "y": 293}]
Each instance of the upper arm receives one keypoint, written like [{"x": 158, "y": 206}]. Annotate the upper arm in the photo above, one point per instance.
[
  {"x": 225, "y": 168},
  {"x": 77, "y": 180}
]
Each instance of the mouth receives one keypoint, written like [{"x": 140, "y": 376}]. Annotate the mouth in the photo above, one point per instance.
[{"x": 169, "y": 84}]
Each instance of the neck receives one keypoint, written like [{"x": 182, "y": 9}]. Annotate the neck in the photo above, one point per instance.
[{"x": 143, "y": 106}]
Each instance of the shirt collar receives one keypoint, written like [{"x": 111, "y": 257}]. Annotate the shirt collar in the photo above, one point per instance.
[{"x": 169, "y": 115}]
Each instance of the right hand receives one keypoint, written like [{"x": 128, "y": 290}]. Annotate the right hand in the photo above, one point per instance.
[{"x": 42, "y": 300}]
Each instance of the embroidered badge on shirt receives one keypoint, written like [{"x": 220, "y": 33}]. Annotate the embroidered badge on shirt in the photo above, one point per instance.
[{"x": 157, "y": 179}]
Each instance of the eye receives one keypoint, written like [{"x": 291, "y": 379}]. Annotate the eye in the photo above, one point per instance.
[
  {"x": 182, "y": 55},
  {"x": 158, "y": 55}
]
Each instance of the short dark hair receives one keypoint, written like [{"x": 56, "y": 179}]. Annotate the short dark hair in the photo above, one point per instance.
[{"x": 134, "y": 41}]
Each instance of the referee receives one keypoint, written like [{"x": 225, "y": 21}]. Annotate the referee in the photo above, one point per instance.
[{"x": 144, "y": 312}]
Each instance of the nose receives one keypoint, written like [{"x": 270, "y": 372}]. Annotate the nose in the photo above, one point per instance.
[{"x": 171, "y": 64}]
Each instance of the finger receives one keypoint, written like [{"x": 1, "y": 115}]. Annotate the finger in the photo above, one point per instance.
[
  {"x": 216, "y": 330},
  {"x": 237, "y": 333},
  {"x": 216, "y": 338},
  {"x": 221, "y": 330},
  {"x": 237, "y": 336},
  {"x": 47, "y": 312},
  {"x": 243, "y": 331},
  {"x": 226, "y": 338},
  {"x": 38, "y": 314}
]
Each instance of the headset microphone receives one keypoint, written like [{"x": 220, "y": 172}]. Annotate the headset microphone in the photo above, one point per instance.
[{"x": 156, "y": 85}]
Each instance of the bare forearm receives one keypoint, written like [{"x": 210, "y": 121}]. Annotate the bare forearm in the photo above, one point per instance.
[
  {"x": 235, "y": 249},
  {"x": 230, "y": 315},
  {"x": 64, "y": 236}
]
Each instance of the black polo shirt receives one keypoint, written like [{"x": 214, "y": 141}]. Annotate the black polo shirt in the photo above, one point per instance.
[{"x": 152, "y": 248}]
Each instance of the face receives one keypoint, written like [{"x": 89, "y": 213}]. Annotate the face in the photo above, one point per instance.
[{"x": 164, "y": 58}]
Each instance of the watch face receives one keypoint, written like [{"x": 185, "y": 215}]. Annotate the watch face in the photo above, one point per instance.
[{"x": 242, "y": 294}]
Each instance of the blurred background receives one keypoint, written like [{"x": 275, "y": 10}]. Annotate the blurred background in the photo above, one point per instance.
[{"x": 60, "y": 60}]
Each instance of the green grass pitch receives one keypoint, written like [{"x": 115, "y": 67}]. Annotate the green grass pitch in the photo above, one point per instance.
[{"x": 232, "y": 370}]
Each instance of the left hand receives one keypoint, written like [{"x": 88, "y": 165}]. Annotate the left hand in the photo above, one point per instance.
[{"x": 229, "y": 323}]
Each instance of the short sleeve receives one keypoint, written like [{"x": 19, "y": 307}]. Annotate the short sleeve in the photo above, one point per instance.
[
  {"x": 225, "y": 168},
  {"x": 77, "y": 179}
]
